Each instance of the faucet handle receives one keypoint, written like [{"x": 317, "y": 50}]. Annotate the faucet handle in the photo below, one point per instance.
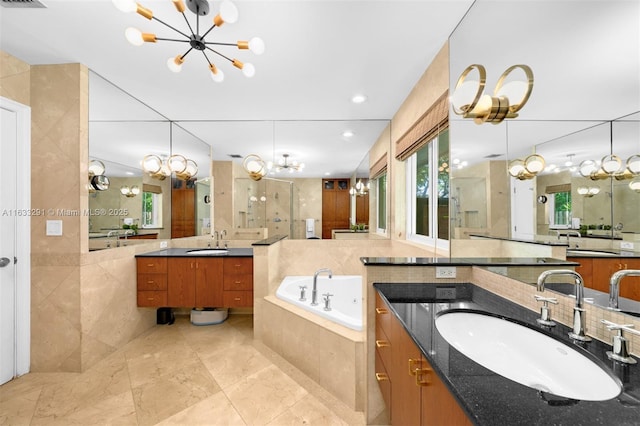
[
  {"x": 546, "y": 299},
  {"x": 545, "y": 313},
  {"x": 620, "y": 352}
]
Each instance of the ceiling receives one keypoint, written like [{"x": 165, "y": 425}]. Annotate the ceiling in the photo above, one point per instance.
[{"x": 318, "y": 55}]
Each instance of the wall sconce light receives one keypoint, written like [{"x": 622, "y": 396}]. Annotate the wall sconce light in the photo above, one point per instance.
[
  {"x": 97, "y": 180},
  {"x": 634, "y": 185},
  {"x": 611, "y": 166},
  {"x": 483, "y": 108},
  {"x": 588, "y": 191},
  {"x": 128, "y": 191},
  {"x": 527, "y": 168},
  {"x": 254, "y": 166},
  {"x": 160, "y": 169}
]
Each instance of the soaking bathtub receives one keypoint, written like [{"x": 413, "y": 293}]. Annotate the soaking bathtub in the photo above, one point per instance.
[{"x": 346, "y": 302}]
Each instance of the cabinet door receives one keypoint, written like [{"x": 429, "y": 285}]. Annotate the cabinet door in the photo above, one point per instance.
[
  {"x": 629, "y": 286},
  {"x": 438, "y": 407},
  {"x": 585, "y": 269},
  {"x": 602, "y": 271},
  {"x": 208, "y": 283},
  {"x": 405, "y": 391},
  {"x": 181, "y": 289}
]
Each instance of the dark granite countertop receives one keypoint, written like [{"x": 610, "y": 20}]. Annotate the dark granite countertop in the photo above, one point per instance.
[
  {"x": 465, "y": 261},
  {"x": 184, "y": 252},
  {"x": 602, "y": 253},
  {"x": 551, "y": 241},
  {"x": 488, "y": 398},
  {"x": 269, "y": 241}
]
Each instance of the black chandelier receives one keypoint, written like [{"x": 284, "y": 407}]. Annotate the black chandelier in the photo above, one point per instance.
[{"x": 228, "y": 13}]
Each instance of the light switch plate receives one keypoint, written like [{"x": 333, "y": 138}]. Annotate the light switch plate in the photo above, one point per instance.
[
  {"x": 54, "y": 228},
  {"x": 163, "y": 244},
  {"x": 626, "y": 245},
  {"x": 445, "y": 271}
]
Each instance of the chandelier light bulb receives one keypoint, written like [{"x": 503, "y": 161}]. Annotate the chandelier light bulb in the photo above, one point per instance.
[
  {"x": 151, "y": 163},
  {"x": 217, "y": 76},
  {"x": 125, "y": 5},
  {"x": 177, "y": 163},
  {"x": 228, "y": 12},
  {"x": 256, "y": 45},
  {"x": 633, "y": 164},
  {"x": 175, "y": 64},
  {"x": 134, "y": 36},
  {"x": 248, "y": 70},
  {"x": 634, "y": 185},
  {"x": 611, "y": 163}
]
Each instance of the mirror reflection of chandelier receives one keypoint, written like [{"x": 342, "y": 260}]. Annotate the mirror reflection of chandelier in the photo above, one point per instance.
[
  {"x": 284, "y": 165},
  {"x": 359, "y": 189},
  {"x": 161, "y": 168}
]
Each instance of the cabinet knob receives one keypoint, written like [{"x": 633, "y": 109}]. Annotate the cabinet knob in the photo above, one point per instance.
[
  {"x": 150, "y": 298},
  {"x": 150, "y": 265},
  {"x": 238, "y": 282},
  {"x": 237, "y": 299},
  {"x": 382, "y": 344},
  {"x": 149, "y": 282},
  {"x": 412, "y": 369},
  {"x": 381, "y": 311}
]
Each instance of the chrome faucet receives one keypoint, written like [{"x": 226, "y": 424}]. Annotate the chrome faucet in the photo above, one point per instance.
[
  {"x": 572, "y": 234},
  {"x": 216, "y": 236},
  {"x": 614, "y": 285},
  {"x": 127, "y": 232},
  {"x": 223, "y": 234},
  {"x": 578, "y": 332},
  {"x": 111, "y": 234},
  {"x": 314, "y": 291}
]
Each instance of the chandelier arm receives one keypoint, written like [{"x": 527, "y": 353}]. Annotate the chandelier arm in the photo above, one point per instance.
[
  {"x": 186, "y": 53},
  {"x": 173, "y": 28},
  {"x": 188, "y": 24},
  {"x": 206, "y": 57},
  {"x": 220, "y": 44},
  {"x": 208, "y": 31},
  {"x": 219, "y": 54},
  {"x": 172, "y": 39}
]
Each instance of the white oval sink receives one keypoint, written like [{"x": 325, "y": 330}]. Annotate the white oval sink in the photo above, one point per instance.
[
  {"x": 208, "y": 251},
  {"x": 589, "y": 253},
  {"x": 527, "y": 356}
]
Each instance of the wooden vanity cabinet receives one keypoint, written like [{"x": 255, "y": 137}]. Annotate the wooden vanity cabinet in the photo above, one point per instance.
[
  {"x": 413, "y": 392},
  {"x": 597, "y": 271},
  {"x": 188, "y": 282}
]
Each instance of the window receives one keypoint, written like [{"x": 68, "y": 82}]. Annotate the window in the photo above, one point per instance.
[
  {"x": 560, "y": 210},
  {"x": 428, "y": 193},
  {"x": 381, "y": 185},
  {"x": 151, "y": 210}
]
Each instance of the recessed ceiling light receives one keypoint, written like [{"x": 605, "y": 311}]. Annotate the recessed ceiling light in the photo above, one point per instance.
[
  {"x": 358, "y": 99},
  {"x": 327, "y": 173},
  {"x": 129, "y": 173},
  {"x": 347, "y": 133}
]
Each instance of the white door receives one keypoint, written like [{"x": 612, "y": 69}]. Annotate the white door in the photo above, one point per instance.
[
  {"x": 522, "y": 208},
  {"x": 14, "y": 222}
]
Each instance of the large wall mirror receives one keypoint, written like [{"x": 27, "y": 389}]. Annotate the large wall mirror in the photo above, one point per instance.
[
  {"x": 584, "y": 106},
  {"x": 285, "y": 201},
  {"x": 138, "y": 205}
]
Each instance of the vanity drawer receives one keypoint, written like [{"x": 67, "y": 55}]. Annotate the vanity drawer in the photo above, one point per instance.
[
  {"x": 238, "y": 282},
  {"x": 152, "y": 298},
  {"x": 152, "y": 265},
  {"x": 238, "y": 266},
  {"x": 384, "y": 381},
  {"x": 383, "y": 345},
  {"x": 383, "y": 315},
  {"x": 238, "y": 299},
  {"x": 152, "y": 282}
]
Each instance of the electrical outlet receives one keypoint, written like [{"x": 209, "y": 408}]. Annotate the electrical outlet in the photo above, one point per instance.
[
  {"x": 163, "y": 244},
  {"x": 445, "y": 271},
  {"x": 445, "y": 292},
  {"x": 626, "y": 245}
]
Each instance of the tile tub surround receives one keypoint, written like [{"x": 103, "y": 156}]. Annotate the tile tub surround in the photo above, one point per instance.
[
  {"x": 484, "y": 394},
  {"x": 327, "y": 352}
]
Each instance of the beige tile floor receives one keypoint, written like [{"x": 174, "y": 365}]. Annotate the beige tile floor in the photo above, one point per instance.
[{"x": 178, "y": 374}]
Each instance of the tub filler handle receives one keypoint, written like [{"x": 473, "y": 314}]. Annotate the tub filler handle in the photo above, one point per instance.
[
  {"x": 303, "y": 293},
  {"x": 327, "y": 301}
]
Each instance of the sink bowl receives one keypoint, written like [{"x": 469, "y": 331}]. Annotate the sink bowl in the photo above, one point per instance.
[
  {"x": 590, "y": 253},
  {"x": 530, "y": 357},
  {"x": 208, "y": 251}
]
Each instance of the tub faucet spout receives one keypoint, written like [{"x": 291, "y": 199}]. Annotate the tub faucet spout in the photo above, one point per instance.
[{"x": 314, "y": 291}]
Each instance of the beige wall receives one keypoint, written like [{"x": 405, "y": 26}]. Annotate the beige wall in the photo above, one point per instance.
[{"x": 83, "y": 305}]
